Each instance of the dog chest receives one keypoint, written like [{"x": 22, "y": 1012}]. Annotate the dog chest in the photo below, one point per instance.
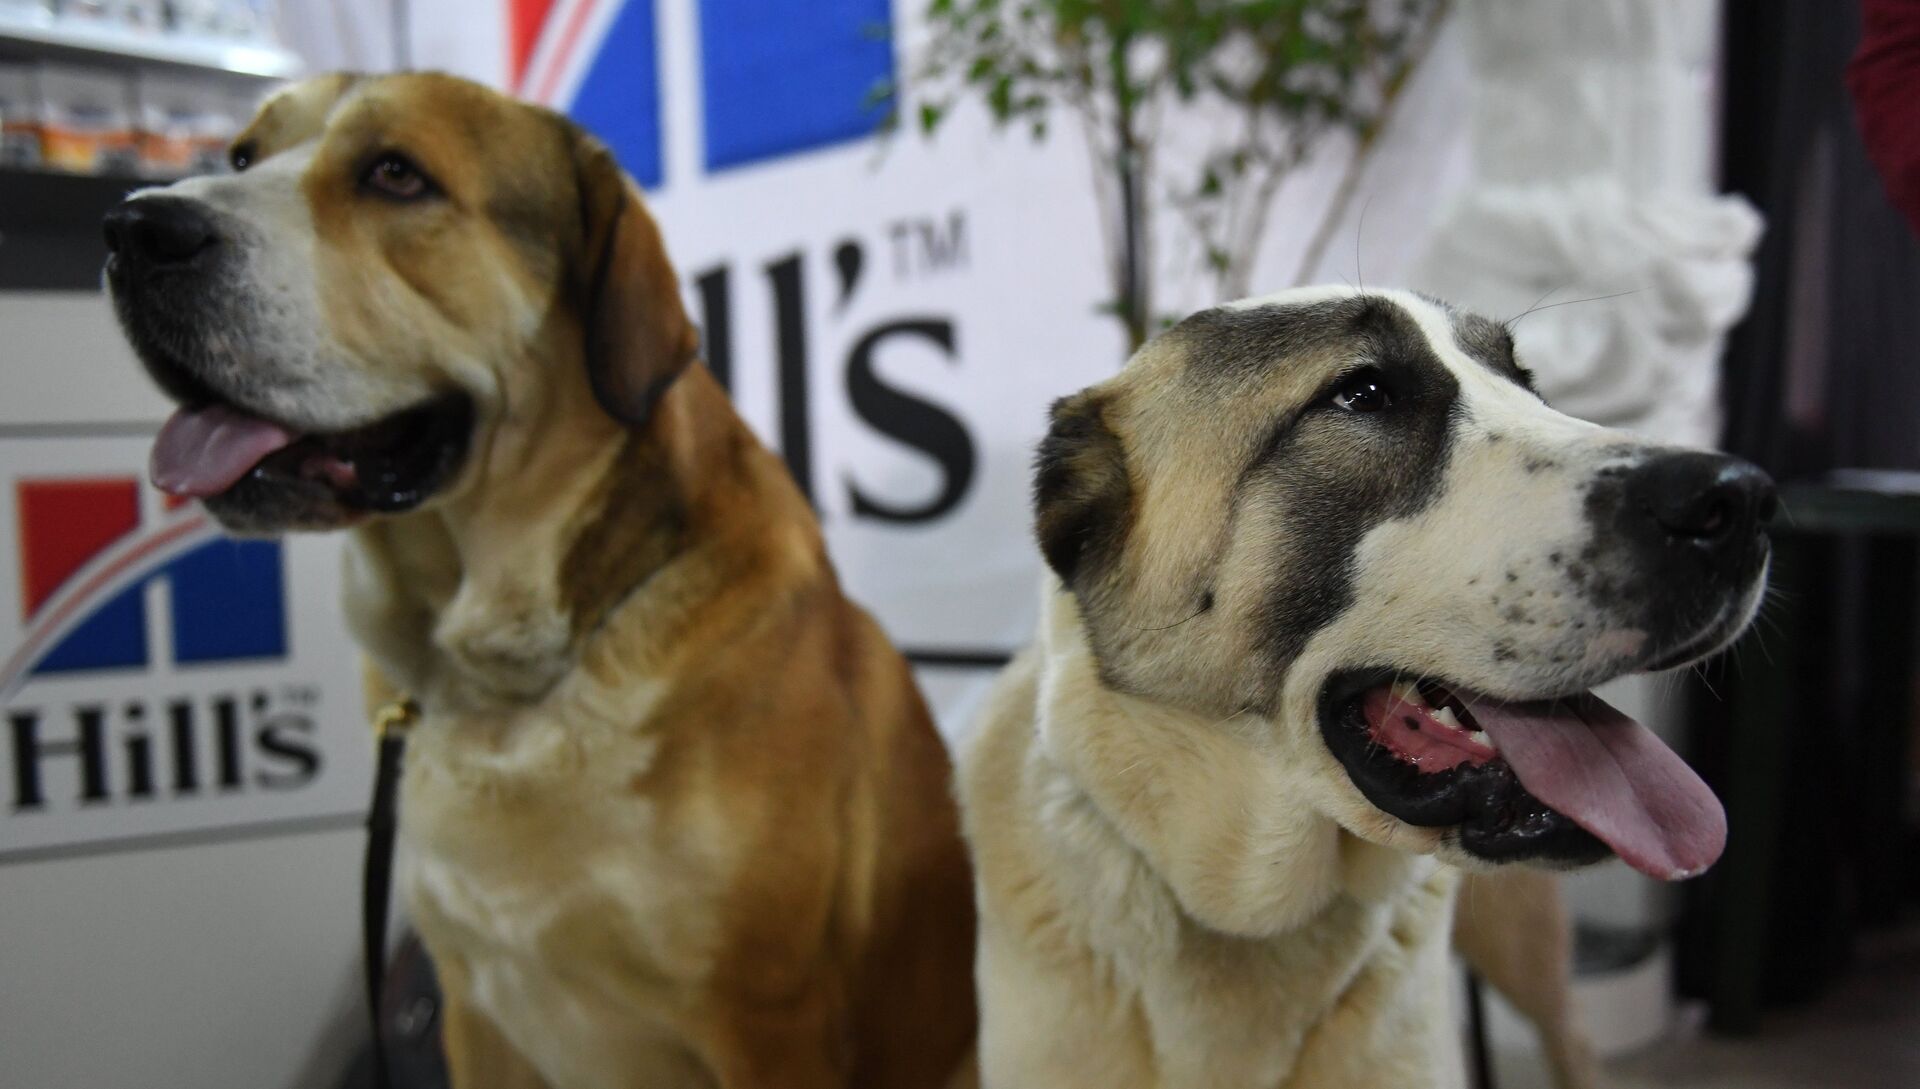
[
  {"x": 567, "y": 895},
  {"x": 574, "y": 1031},
  {"x": 580, "y": 953}
]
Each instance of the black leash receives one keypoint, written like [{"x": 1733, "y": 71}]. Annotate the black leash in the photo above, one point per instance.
[
  {"x": 1477, "y": 1025},
  {"x": 390, "y": 726}
]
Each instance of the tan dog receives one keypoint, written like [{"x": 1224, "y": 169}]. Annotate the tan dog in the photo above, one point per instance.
[
  {"x": 1329, "y": 585},
  {"x": 676, "y": 814},
  {"x": 1512, "y": 928}
]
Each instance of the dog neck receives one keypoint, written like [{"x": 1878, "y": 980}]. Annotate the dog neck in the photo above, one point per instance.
[
  {"x": 483, "y": 601},
  {"x": 1212, "y": 805}
]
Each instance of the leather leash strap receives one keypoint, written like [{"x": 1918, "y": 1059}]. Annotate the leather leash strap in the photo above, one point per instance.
[{"x": 390, "y": 726}]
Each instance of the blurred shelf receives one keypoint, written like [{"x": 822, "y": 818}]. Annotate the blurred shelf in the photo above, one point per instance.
[
  {"x": 48, "y": 201},
  {"x": 42, "y": 37},
  {"x": 1851, "y": 501},
  {"x": 50, "y": 227}
]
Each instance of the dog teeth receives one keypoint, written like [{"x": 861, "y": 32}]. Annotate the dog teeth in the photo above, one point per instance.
[
  {"x": 1406, "y": 692},
  {"x": 1445, "y": 717},
  {"x": 1482, "y": 738}
]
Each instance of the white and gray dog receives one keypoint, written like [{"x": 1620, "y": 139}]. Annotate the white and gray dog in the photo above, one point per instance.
[{"x": 1331, "y": 584}]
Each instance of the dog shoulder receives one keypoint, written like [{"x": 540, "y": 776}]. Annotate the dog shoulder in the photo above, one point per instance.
[
  {"x": 990, "y": 777},
  {"x": 1047, "y": 986},
  {"x": 1054, "y": 873},
  {"x": 989, "y": 759}
]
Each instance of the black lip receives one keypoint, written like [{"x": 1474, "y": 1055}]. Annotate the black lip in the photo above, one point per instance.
[
  {"x": 1494, "y": 817},
  {"x": 399, "y": 462}
]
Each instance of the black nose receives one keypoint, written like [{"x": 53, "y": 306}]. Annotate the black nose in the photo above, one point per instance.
[
  {"x": 159, "y": 230},
  {"x": 1703, "y": 499}
]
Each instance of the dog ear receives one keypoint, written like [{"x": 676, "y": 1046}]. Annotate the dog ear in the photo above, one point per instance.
[
  {"x": 638, "y": 335},
  {"x": 1082, "y": 497}
]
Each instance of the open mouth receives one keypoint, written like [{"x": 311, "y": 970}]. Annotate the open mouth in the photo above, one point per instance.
[
  {"x": 214, "y": 449},
  {"x": 1566, "y": 779}
]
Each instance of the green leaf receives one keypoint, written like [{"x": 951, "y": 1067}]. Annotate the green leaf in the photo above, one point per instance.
[
  {"x": 878, "y": 95},
  {"x": 1000, "y": 97}
]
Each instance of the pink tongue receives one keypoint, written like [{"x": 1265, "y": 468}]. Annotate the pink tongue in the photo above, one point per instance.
[
  {"x": 203, "y": 452},
  {"x": 1609, "y": 774}
]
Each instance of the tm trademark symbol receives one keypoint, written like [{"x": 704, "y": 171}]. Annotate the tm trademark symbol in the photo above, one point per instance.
[
  {"x": 300, "y": 695},
  {"x": 927, "y": 246}
]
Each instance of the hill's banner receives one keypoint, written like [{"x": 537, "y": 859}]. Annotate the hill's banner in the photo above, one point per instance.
[{"x": 161, "y": 683}]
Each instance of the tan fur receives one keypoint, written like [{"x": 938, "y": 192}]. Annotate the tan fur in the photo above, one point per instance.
[
  {"x": 1513, "y": 930},
  {"x": 477, "y": 1053},
  {"x": 676, "y": 814}
]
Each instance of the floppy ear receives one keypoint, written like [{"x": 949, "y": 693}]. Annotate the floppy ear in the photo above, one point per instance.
[
  {"x": 1082, "y": 497},
  {"x": 638, "y": 335}
]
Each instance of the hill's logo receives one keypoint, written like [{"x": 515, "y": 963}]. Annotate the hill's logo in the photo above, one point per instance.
[
  {"x": 164, "y": 602},
  {"x": 777, "y": 77},
  {"x": 85, "y": 563}
]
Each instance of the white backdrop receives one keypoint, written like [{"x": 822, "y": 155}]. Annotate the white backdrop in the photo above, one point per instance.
[{"x": 223, "y": 952}]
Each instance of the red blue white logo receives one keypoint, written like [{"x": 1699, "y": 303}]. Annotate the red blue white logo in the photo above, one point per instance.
[
  {"x": 86, "y": 559},
  {"x": 777, "y": 77}
]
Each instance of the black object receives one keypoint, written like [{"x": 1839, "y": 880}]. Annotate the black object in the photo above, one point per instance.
[
  {"x": 410, "y": 1016},
  {"x": 1803, "y": 731},
  {"x": 1807, "y": 747},
  {"x": 377, "y": 875},
  {"x": 1477, "y": 1028},
  {"x": 50, "y": 227},
  {"x": 1822, "y": 373}
]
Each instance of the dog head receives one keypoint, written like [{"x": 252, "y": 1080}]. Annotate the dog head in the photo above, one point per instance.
[
  {"x": 1348, "y": 515},
  {"x": 385, "y": 284}
]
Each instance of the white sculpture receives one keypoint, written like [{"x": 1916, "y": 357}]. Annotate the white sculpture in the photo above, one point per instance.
[{"x": 1592, "y": 130}]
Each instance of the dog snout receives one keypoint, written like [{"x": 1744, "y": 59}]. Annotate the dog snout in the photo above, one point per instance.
[
  {"x": 1708, "y": 501},
  {"x": 158, "y": 232}
]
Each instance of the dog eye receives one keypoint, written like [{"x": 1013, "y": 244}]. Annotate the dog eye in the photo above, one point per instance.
[
  {"x": 1362, "y": 392},
  {"x": 394, "y": 175},
  {"x": 241, "y": 157}
]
